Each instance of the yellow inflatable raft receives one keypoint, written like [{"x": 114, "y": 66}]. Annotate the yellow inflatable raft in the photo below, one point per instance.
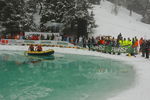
[{"x": 40, "y": 53}]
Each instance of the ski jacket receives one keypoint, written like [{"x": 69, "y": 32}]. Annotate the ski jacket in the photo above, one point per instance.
[{"x": 136, "y": 44}]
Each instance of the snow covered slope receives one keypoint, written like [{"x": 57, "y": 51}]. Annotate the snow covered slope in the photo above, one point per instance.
[{"x": 111, "y": 24}]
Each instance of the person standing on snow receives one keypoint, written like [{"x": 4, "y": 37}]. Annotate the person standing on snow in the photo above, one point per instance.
[
  {"x": 119, "y": 37},
  {"x": 147, "y": 48},
  {"x": 89, "y": 43},
  {"x": 140, "y": 43},
  {"x": 143, "y": 48},
  {"x": 135, "y": 46}
]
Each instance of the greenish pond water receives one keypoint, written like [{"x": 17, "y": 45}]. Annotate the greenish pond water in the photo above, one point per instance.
[{"x": 61, "y": 77}]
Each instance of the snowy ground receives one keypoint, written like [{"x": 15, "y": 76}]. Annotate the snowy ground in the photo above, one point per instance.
[
  {"x": 140, "y": 90},
  {"x": 111, "y": 24}
]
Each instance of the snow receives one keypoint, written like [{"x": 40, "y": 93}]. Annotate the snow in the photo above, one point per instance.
[
  {"x": 140, "y": 90},
  {"x": 37, "y": 19},
  {"x": 111, "y": 24},
  {"x": 49, "y": 23}
]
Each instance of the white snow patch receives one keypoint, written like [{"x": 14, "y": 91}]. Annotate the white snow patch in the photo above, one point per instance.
[
  {"x": 111, "y": 24},
  {"x": 37, "y": 19}
]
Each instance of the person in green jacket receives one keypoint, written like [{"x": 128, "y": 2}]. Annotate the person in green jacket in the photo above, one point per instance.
[
  {"x": 129, "y": 42},
  {"x": 125, "y": 42},
  {"x": 120, "y": 42}
]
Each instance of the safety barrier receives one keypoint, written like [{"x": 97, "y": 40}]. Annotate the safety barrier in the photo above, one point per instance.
[
  {"x": 3, "y": 42},
  {"x": 47, "y": 43},
  {"x": 110, "y": 49}
]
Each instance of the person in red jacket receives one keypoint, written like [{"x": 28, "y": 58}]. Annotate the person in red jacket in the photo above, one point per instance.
[
  {"x": 102, "y": 41},
  {"x": 39, "y": 48}
]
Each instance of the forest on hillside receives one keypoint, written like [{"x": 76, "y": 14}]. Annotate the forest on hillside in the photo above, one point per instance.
[{"x": 139, "y": 6}]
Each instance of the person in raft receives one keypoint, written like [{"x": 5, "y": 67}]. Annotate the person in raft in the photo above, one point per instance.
[
  {"x": 31, "y": 48},
  {"x": 39, "y": 48}
]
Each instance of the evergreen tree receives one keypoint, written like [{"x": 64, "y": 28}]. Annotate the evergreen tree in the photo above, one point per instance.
[
  {"x": 18, "y": 15},
  {"x": 67, "y": 12},
  {"x": 12, "y": 15}
]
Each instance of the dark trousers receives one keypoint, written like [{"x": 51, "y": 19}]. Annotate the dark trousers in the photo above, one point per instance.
[
  {"x": 89, "y": 46},
  {"x": 143, "y": 53},
  {"x": 147, "y": 53}
]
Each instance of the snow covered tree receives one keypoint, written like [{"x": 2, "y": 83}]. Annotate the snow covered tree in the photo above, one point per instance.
[
  {"x": 135, "y": 5},
  {"x": 17, "y": 15},
  {"x": 20, "y": 15},
  {"x": 97, "y": 2},
  {"x": 115, "y": 7},
  {"x": 30, "y": 8},
  {"x": 67, "y": 12},
  {"x": 2, "y": 5},
  {"x": 12, "y": 15},
  {"x": 146, "y": 14}
]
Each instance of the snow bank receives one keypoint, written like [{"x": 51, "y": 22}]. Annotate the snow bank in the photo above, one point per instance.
[
  {"x": 111, "y": 24},
  {"x": 141, "y": 88}
]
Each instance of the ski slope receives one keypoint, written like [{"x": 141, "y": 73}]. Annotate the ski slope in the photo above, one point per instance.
[{"x": 111, "y": 24}]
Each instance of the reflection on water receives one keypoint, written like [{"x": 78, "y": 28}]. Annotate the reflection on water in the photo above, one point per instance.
[
  {"x": 25, "y": 59},
  {"x": 61, "y": 77}
]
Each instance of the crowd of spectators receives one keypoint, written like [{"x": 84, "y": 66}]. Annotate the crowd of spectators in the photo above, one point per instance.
[{"x": 137, "y": 45}]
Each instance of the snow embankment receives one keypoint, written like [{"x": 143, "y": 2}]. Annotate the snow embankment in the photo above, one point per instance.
[
  {"x": 111, "y": 24},
  {"x": 141, "y": 88}
]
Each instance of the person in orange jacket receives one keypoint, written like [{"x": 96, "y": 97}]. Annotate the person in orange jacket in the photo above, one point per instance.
[
  {"x": 140, "y": 43},
  {"x": 135, "y": 46}
]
